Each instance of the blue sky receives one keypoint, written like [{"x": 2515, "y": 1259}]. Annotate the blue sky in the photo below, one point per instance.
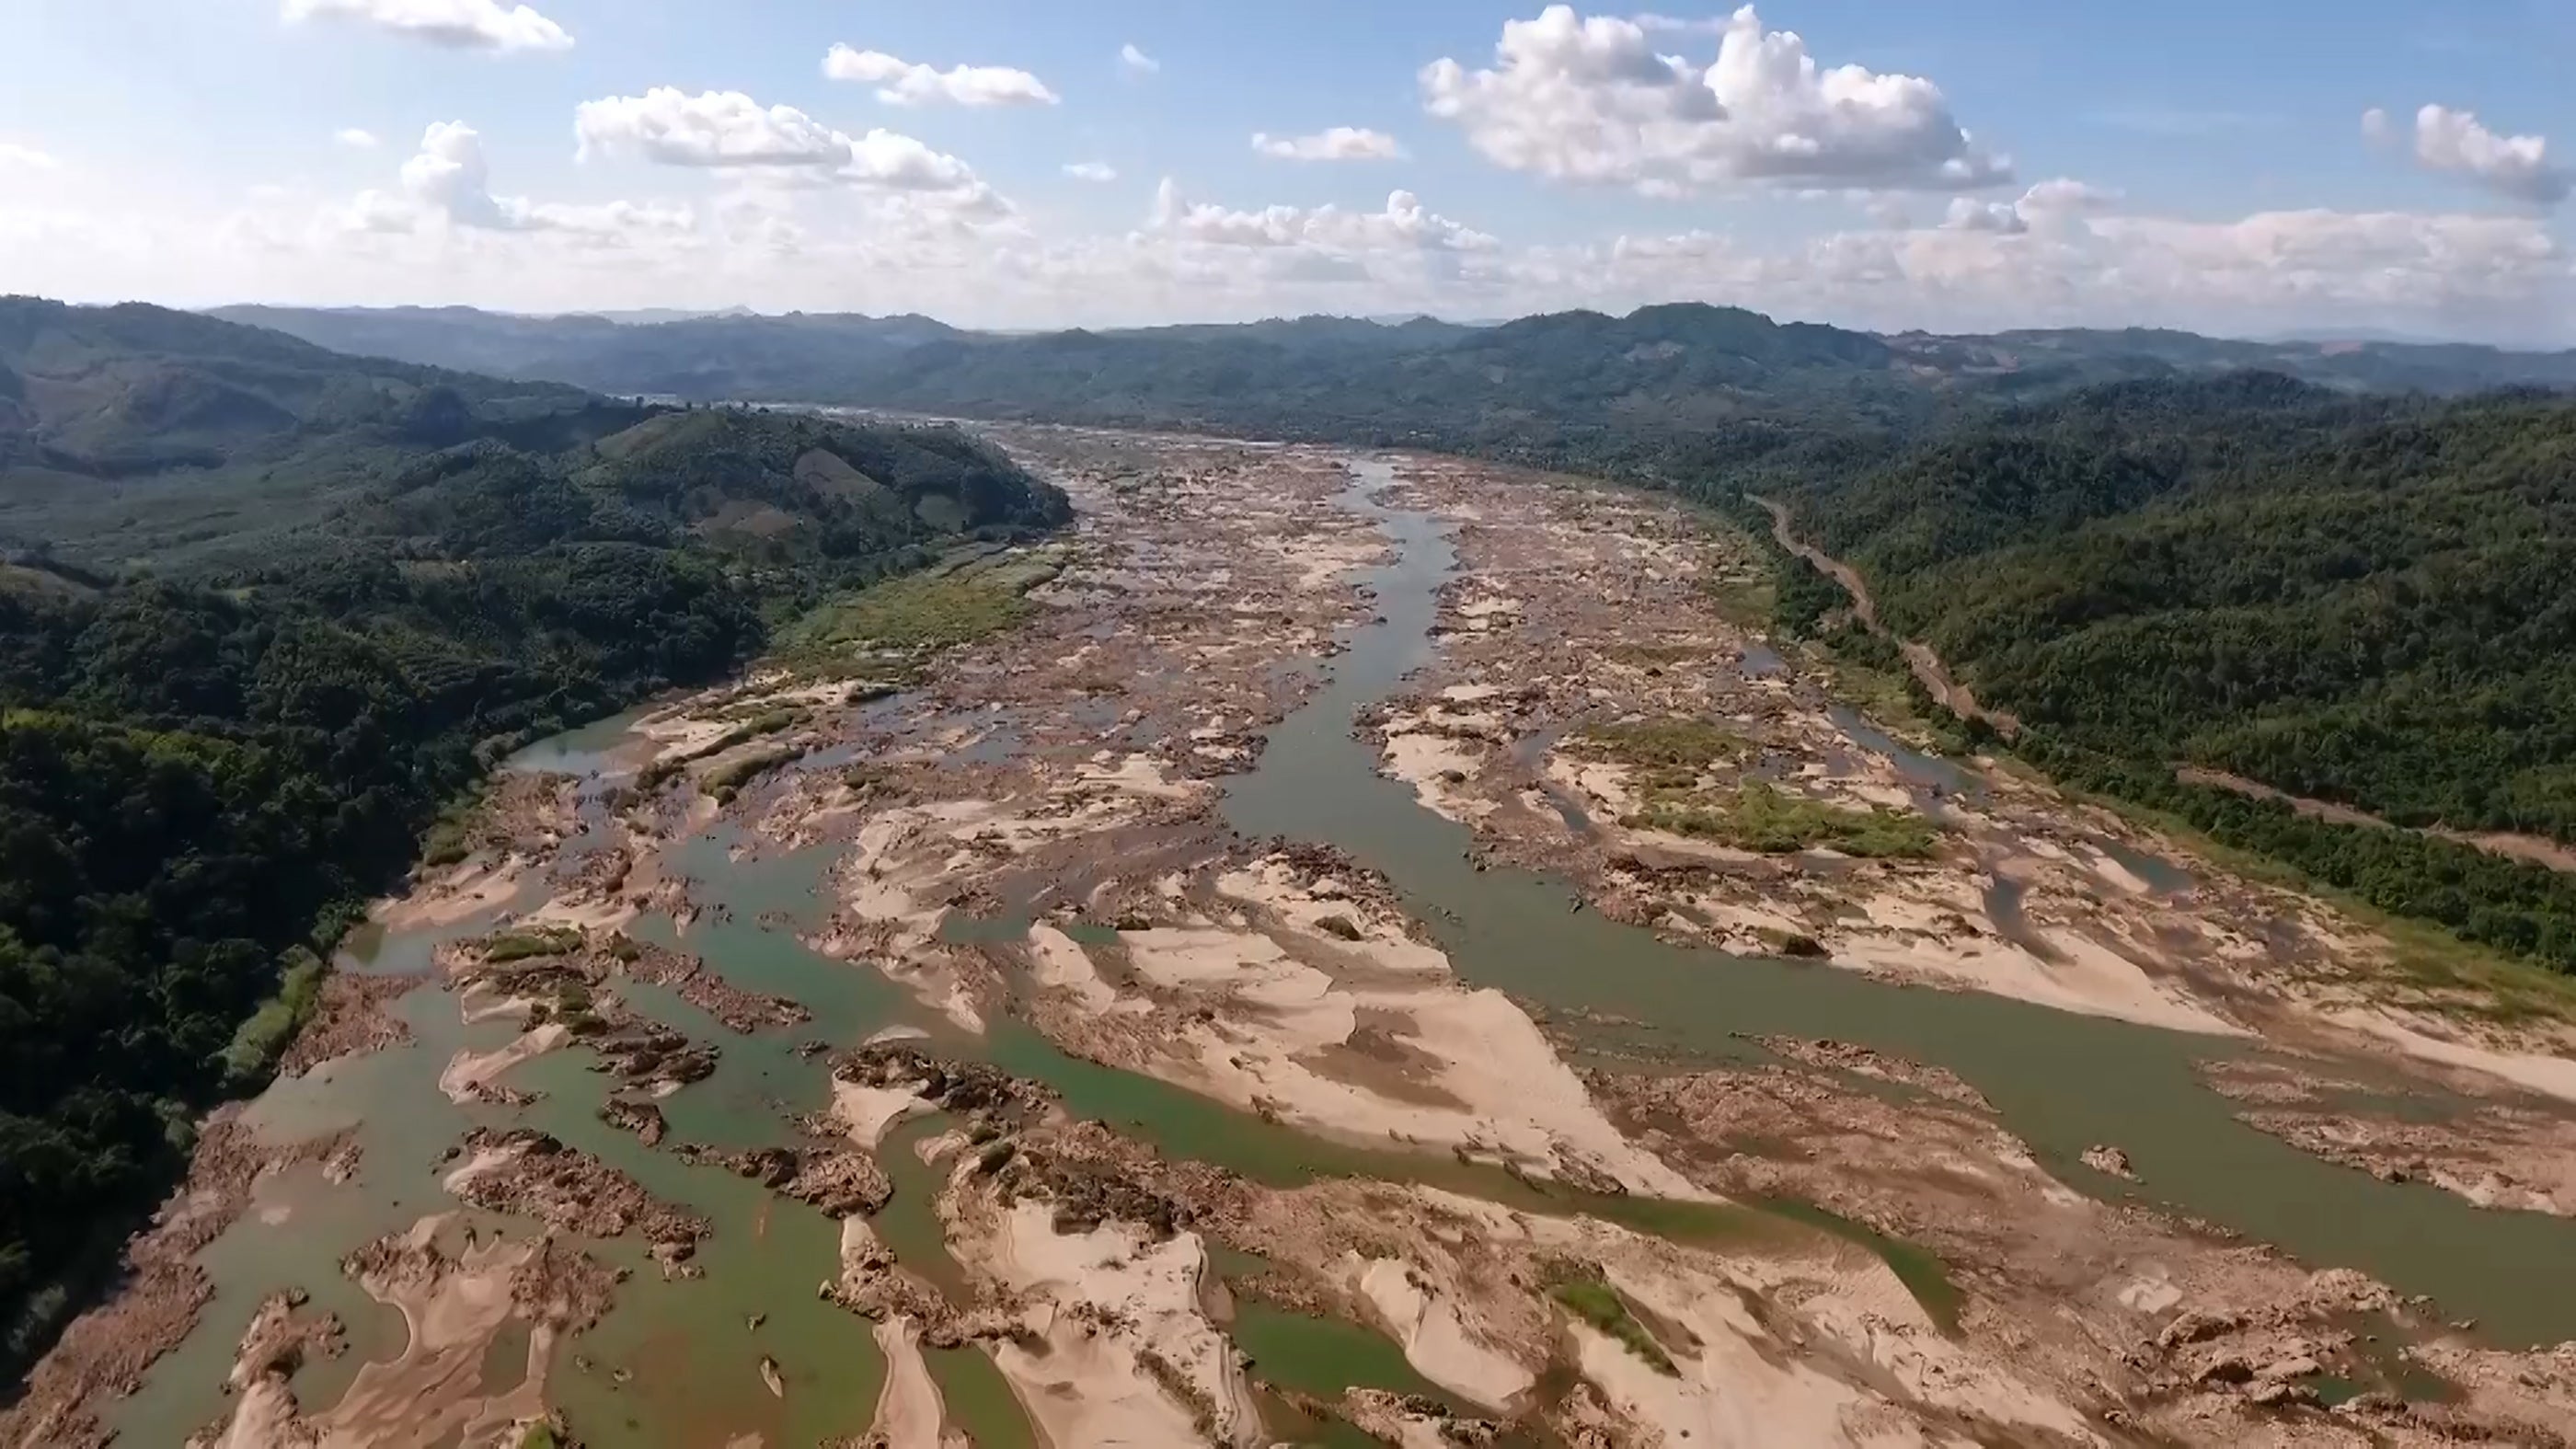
[{"x": 1950, "y": 165}]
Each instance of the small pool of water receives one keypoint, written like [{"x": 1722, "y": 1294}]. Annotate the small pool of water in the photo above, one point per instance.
[
  {"x": 1924, "y": 771},
  {"x": 592, "y": 749}
]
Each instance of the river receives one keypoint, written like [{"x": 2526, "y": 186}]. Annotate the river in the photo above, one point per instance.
[
  {"x": 2063, "y": 1082},
  {"x": 676, "y": 1363}
]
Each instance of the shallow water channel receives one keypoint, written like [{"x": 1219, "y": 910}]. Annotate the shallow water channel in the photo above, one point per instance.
[
  {"x": 677, "y": 1363},
  {"x": 2062, "y": 1082}
]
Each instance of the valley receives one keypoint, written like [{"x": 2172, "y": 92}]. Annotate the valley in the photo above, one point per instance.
[{"x": 1339, "y": 948}]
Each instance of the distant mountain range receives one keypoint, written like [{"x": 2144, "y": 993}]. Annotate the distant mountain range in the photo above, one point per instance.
[{"x": 1683, "y": 367}]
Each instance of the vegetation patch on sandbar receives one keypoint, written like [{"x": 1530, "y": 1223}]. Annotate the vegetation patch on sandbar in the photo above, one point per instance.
[
  {"x": 723, "y": 780},
  {"x": 917, "y": 615},
  {"x": 1676, "y": 743},
  {"x": 1758, "y": 817},
  {"x": 1589, "y": 1296}
]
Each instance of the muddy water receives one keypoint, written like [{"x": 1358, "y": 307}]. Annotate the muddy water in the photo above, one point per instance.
[
  {"x": 672, "y": 1364},
  {"x": 678, "y": 1363},
  {"x": 1924, "y": 772},
  {"x": 2063, "y": 1082}
]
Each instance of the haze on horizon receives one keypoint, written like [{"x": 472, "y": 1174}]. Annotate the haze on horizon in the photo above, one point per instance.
[{"x": 2382, "y": 169}]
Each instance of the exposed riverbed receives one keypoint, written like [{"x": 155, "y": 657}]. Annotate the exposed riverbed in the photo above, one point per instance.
[{"x": 1071, "y": 862}]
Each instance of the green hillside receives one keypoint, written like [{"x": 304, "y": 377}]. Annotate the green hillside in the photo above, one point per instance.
[
  {"x": 2364, "y": 601},
  {"x": 265, "y": 611},
  {"x": 1616, "y": 387}
]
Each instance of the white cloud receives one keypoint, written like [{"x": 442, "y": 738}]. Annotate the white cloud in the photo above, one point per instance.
[
  {"x": 777, "y": 236},
  {"x": 1404, "y": 224},
  {"x": 2453, "y": 141},
  {"x": 449, "y": 182},
  {"x": 730, "y": 130},
  {"x": 2065, "y": 196},
  {"x": 712, "y": 128},
  {"x": 1339, "y": 143},
  {"x": 1969, "y": 214},
  {"x": 1679, "y": 24},
  {"x": 1589, "y": 100},
  {"x": 1091, "y": 171},
  {"x": 1137, "y": 62},
  {"x": 13, "y": 153},
  {"x": 2054, "y": 203},
  {"x": 2496, "y": 276},
  {"x": 904, "y": 83},
  {"x": 356, "y": 139},
  {"x": 465, "y": 24},
  {"x": 450, "y": 176}
]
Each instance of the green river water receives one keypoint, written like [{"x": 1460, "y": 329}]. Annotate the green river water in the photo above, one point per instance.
[{"x": 676, "y": 1364}]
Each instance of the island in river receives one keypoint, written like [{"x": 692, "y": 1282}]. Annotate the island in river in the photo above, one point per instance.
[{"x": 1355, "y": 950}]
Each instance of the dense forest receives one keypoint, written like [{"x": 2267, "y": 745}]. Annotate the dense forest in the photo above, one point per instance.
[
  {"x": 266, "y": 610},
  {"x": 2362, "y": 601},
  {"x": 2358, "y": 600}
]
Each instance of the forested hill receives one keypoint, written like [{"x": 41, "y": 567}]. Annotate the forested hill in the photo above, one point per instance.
[
  {"x": 264, "y": 610},
  {"x": 2363, "y": 600},
  {"x": 1573, "y": 384}
]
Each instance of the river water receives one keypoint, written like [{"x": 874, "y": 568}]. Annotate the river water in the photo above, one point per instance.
[
  {"x": 676, "y": 1364},
  {"x": 2062, "y": 1082}
]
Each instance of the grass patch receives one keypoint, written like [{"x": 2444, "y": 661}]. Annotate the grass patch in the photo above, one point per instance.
[
  {"x": 1589, "y": 1296},
  {"x": 917, "y": 614},
  {"x": 1762, "y": 819},
  {"x": 768, "y": 722},
  {"x": 525, "y": 945},
  {"x": 540, "y": 1435},
  {"x": 1885, "y": 695},
  {"x": 1667, "y": 744},
  {"x": 725, "y": 779},
  {"x": 450, "y": 837},
  {"x": 1745, "y": 599},
  {"x": 257, "y": 1042}
]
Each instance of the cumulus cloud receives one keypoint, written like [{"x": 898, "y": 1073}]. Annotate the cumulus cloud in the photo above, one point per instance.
[
  {"x": 1338, "y": 143},
  {"x": 787, "y": 223},
  {"x": 1091, "y": 171},
  {"x": 450, "y": 181},
  {"x": 1590, "y": 100},
  {"x": 2053, "y": 203},
  {"x": 464, "y": 24},
  {"x": 730, "y": 130},
  {"x": 1679, "y": 24},
  {"x": 356, "y": 138},
  {"x": 2353, "y": 261},
  {"x": 1137, "y": 62},
  {"x": 1969, "y": 214},
  {"x": 712, "y": 128},
  {"x": 905, "y": 83},
  {"x": 1404, "y": 224},
  {"x": 14, "y": 154},
  {"x": 2270, "y": 271},
  {"x": 2065, "y": 196},
  {"x": 2456, "y": 143}
]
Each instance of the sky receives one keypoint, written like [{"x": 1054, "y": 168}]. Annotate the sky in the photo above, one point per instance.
[{"x": 2247, "y": 169}]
